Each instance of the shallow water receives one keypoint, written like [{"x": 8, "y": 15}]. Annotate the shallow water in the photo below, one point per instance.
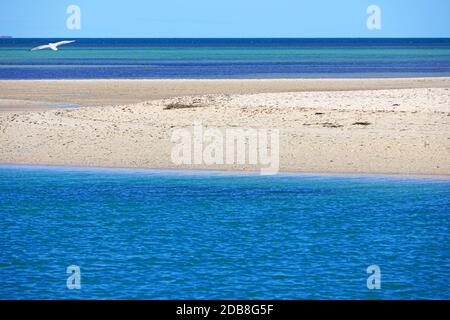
[
  {"x": 185, "y": 235},
  {"x": 225, "y": 58}
]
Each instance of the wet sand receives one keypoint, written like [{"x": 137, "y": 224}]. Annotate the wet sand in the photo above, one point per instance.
[{"x": 29, "y": 95}]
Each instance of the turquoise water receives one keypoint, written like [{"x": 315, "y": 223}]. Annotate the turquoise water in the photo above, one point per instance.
[
  {"x": 225, "y": 58},
  {"x": 187, "y": 235}
]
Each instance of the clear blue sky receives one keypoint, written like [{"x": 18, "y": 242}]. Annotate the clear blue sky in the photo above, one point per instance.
[{"x": 225, "y": 18}]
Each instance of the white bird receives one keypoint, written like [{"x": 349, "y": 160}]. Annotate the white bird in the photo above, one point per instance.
[{"x": 52, "y": 45}]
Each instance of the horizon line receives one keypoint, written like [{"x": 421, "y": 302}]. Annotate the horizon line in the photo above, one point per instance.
[{"x": 54, "y": 37}]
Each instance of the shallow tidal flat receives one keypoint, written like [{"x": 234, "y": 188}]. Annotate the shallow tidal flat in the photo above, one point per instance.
[{"x": 402, "y": 131}]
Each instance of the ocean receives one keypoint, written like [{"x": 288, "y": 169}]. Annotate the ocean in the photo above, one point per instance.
[
  {"x": 145, "y": 234},
  {"x": 225, "y": 58}
]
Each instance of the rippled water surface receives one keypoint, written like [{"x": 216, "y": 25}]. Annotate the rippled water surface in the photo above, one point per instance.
[{"x": 183, "y": 235}]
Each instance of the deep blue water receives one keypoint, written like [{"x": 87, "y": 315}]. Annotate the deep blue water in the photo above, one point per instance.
[
  {"x": 185, "y": 235},
  {"x": 225, "y": 58}
]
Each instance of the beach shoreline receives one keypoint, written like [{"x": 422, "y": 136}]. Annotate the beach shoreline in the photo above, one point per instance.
[
  {"x": 332, "y": 126},
  {"x": 38, "y": 95},
  {"x": 226, "y": 172}
]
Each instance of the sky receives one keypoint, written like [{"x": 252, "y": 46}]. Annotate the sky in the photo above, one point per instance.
[{"x": 224, "y": 19}]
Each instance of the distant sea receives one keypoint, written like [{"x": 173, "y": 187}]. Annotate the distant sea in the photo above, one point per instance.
[
  {"x": 225, "y": 58},
  {"x": 143, "y": 234}
]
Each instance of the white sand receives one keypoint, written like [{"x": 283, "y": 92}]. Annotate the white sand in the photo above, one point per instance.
[{"x": 408, "y": 130}]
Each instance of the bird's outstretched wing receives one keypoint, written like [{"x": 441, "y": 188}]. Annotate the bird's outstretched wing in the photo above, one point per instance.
[
  {"x": 63, "y": 42},
  {"x": 45, "y": 46}
]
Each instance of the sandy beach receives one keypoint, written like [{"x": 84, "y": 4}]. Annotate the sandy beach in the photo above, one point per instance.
[
  {"x": 336, "y": 125},
  {"x": 28, "y": 95}
]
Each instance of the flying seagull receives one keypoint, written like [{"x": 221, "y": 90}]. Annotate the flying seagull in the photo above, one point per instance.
[{"x": 52, "y": 45}]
